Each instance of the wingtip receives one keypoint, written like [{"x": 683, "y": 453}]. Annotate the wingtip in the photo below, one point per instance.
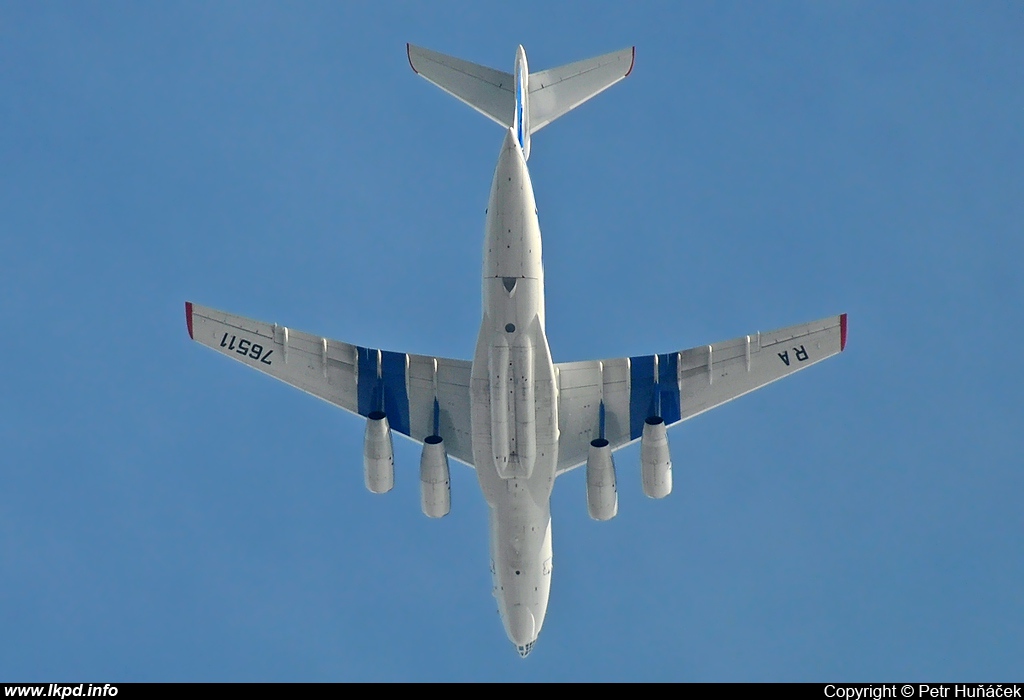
[
  {"x": 631, "y": 63},
  {"x": 188, "y": 318},
  {"x": 842, "y": 332},
  {"x": 408, "y": 54}
]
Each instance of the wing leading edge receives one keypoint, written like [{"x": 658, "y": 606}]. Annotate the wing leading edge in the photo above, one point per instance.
[
  {"x": 619, "y": 394},
  {"x": 422, "y": 395}
]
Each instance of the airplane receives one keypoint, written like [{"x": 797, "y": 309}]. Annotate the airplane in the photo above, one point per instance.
[{"x": 512, "y": 413}]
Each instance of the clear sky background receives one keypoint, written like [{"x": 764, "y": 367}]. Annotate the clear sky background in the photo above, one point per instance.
[{"x": 166, "y": 514}]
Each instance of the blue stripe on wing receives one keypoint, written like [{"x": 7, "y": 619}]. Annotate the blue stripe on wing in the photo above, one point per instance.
[
  {"x": 387, "y": 392},
  {"x": 648, "y": 399}
]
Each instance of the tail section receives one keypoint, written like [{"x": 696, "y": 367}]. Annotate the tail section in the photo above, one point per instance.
[
  {"x": 556, "y": 91},
  {"x": 486, "y": 90},
  {"x": 522, "y": 101}
]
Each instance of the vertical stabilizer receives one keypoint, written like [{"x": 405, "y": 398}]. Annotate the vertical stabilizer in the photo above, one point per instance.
[{"x": 521, "y": 123}]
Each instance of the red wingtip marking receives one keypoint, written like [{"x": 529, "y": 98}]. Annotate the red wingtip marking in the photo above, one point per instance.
[
  {"x": 632, "y": 61},
  {"x": 408, "y": 53},
  {"x": 188, "y": 318},
  {"x": 842, "y": 332}
]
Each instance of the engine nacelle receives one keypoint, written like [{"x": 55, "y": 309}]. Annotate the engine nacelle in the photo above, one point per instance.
[
  {"x": 602, "y": 496},
  {"x": 655, "y": 462},
  {"x": 378, "y": 454},
  {"x": 435, "y": 485}
]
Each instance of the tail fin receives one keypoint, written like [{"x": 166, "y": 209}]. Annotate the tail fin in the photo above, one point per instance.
[{"x": 550, "y": 93}]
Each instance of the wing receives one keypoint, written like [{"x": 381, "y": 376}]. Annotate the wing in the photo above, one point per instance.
[
  {"x": 625, "y": 391},
  {"x": 486, "y": 90},
  {"x": 421, "y": 395},
  {"x": 555, "y": 91}
]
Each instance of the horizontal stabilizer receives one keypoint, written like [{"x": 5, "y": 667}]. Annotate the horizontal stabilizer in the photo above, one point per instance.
[
  {"x": 486, "y": 90},
  {"x": 555, "y": 91}
]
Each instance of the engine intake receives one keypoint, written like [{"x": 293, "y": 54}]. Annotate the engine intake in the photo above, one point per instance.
[
  {"x": 602, "y": 495},
  {"x": 378, "y": 454},
  {"x": 435, "y": 484},
  {"x": 655, "y": 461}
]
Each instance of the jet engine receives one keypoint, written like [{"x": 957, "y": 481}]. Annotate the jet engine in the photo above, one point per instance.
[
  {"x": 655, "y": 462},
  {"x": 435, "y": 485},
  {"x": 378, "y": 455},
  {"x": 602, "y": 496}
]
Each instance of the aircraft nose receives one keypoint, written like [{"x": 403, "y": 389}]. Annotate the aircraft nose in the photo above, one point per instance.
[{"x": 521, "y": 627}]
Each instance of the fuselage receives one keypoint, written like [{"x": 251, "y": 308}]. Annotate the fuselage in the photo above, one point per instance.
[{"x": 514, "y": 401}]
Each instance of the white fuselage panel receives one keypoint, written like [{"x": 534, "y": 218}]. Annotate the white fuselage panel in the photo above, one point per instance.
[{"x": 514, "y": 414}]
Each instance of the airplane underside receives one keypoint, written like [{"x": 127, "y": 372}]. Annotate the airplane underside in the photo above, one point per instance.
[{"x": 512, "y": 413}]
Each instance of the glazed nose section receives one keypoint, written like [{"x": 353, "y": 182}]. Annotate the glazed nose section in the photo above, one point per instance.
[{"x": 521, "y": 627}]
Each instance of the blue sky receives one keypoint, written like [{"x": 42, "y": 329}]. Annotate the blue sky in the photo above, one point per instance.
[{"x": 168, "y": 515}]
